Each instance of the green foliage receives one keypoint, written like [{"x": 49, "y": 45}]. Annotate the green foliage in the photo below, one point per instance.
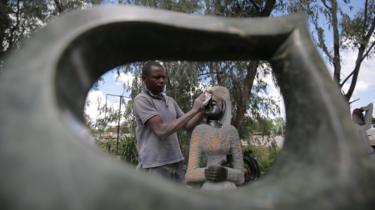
[
  {"x": 264, "y": 126},
  {"x": 126, "y": 148},
  {"x": 184, "y": 138},
  {"x": 105, "y": 129},
  {"x": 18, "y": 19},
  {"x": 266, "y": 156},
  {"x": 353, "y": 28},
  {"x": 187, "y": 6},
  {"x": 186, "y": 80},
  {"x": 183, "y": 82}
]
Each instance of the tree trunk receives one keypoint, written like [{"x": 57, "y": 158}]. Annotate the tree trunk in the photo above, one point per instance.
[
  {"x": 251, "y": 72},
  {"x": 59, "y": 7},
  {"x": 360, "y": 57},
  {"x": 245, "y": 93},
  {"x": 168, "y": 83},
  {"x": 336, "y": 43},
  {"x": 270, "y": 4},
  {"x": 215, "y": 73}
]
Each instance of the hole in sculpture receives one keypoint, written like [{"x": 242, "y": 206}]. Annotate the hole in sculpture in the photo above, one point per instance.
[{"x": 109, "y": 108}]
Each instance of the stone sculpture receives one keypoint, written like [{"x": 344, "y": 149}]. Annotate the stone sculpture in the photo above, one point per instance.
[
  {"x": 218, "y": 144},
  {"x": 47, "y": 164},
  {"x": 362, "y": 118}
]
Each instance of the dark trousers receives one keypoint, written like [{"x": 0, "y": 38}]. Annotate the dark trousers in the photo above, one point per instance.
[{"x": 173, "y": 171}]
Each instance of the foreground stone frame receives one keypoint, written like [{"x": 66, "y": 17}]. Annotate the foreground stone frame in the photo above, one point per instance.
[{"x": 47, "y": 164}]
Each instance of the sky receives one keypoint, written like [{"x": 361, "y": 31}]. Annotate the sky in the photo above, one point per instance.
[
  {"x": 365, "y": 89},
  {"x": 364, "y": 92},
  {"x": 113, "y": 84}
]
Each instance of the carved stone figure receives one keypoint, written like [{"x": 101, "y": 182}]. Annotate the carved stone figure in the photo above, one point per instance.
[
  {"x": 362, "y": 118},
  {"x": 215, "y": 157}
]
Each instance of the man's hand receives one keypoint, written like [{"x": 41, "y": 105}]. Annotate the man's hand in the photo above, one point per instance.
[
  {"x": 198, "y": 103},
  {"x": 216, "y": 173}
]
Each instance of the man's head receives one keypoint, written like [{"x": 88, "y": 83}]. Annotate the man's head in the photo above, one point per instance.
[{"x": 153, "y": 75}]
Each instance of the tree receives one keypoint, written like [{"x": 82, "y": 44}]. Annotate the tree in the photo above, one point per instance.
[
  {"x": 185, "y": 80},
  {"x": 186, "y": 6},
  {"x": 4, "y": 24},
  {"x": 18, "y": 19},
  {"x": 355, "y": 32},
  {"x": 185, "y": 77},
  {"x": 239, "y": 76},
  {"x": 23, "y": 17}
]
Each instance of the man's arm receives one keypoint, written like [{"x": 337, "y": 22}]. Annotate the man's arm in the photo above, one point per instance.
[
  {"x": 163, "y": 130},
  {"x": 194, "y": 121}
]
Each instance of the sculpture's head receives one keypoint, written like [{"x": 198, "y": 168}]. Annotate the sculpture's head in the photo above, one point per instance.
[
  {"x": 358, "y": 117},
  {"x": 215, "y": 108},
  {"x": 219, "y": 107}
]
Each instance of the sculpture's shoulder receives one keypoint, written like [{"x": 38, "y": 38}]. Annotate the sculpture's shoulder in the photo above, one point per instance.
[
  {"x": 201, "y": 128},
  {"x": 231, "y": 130}
]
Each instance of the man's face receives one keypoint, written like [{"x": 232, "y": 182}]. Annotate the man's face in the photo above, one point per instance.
[{"x": 155, "y": 81}]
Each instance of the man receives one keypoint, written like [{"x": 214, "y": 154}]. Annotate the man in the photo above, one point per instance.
[{"x": 158, "y": 117}]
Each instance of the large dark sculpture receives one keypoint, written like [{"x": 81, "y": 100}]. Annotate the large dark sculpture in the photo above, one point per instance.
[{"x": 46, "y": 163}]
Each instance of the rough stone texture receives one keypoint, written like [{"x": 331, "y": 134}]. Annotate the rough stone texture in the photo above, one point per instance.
[
  {"x": 218, "y": 143},
  {"x": 215, "y": 144},
  {"x": 47, "y": 164}
]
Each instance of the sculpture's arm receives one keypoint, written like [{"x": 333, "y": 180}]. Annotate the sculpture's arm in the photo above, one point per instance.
[
  {"x": 194, "y": 173},
  {"x": 368, "y": 115},
  {"x": 236, "y": 174}
]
